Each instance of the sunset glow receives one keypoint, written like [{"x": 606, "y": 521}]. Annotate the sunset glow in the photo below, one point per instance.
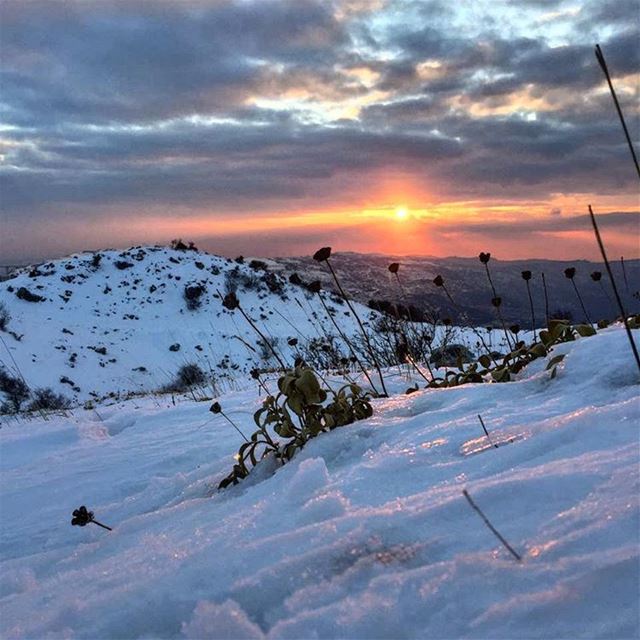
[{"x": 266, "y": 127}]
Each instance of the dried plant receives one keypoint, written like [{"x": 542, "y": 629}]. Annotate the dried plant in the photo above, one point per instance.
[
  {"x": 231, "y": 303},
  {"x": 496, "y": 301},
  {"x": 323, "y": 255},
  {"x": 623, "y": 313},
  {"x": 409, "y": 357},
  {"x": 297, "y": 413},
  {"x": 570, "y": 274},
  {"x": 596, "y": 276},
  {"x": 315, "y": 287},
  {"x": 546, "y": 299},
  {"x": 526, "y": 276},
  {"x": 440, "y": 283}
]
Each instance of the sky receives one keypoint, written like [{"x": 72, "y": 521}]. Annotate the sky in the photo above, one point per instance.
[{"x": 273, "y": 127}]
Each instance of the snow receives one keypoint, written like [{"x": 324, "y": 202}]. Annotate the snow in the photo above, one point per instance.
[
  {"x": 136, "y": 314},
  {"x": 364, "y": 534},
  {"x": 103, "y": 332}
]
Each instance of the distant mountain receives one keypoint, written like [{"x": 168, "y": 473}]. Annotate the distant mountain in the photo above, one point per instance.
[{"x": 366, "y": 277}]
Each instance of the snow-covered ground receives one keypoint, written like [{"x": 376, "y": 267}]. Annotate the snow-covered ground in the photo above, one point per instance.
[
  {"x": 364, "y": 534},
  {"x": 122, "y": 325}
]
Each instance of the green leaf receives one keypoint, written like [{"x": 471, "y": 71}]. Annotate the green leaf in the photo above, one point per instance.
[
  {"x": 545, "y": 337},
  {"x": 501, "y": 374},
  {"x": 555, "y": 361},
  {"x": 585, "y": 330},
  {"x": 538, "y": 350},
  {"x": 557, "y": 324}
]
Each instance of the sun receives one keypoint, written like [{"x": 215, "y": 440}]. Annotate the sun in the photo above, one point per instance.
[{"x": 401, "y": 213}]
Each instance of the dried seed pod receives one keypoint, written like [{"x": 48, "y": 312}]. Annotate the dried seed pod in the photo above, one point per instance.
[
  {"x": 322, "y": 254},
  {"x": 526, "y": 275},
  {"x": 570, "y": 272},
  {"x": 394, "y": 266},
  {"x": 230, "y": 301},
  {"x": 596, "y": 276},
  {"x": 515, "y": 328},
  {"x": 438, "y": 281},
  {"x": 484, "y": 257},
  {"x": 215, "y": 408},
  {"x": 497, "y": 301},
  {"x": 81, "y": 517},
  {"x": 292, "y": 342},
  {"x": 314, "y": 286}
]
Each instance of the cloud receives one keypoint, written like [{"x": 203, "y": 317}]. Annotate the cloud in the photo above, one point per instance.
[
  {"x": 616, "y": 221},
  {"x": 255, "y": 105}
]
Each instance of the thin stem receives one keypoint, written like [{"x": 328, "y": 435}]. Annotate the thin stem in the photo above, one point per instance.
[
  {"x": 475, "y": 331},
  {"x": 586, "y": 315},
  {"x": 613, "y": 286},
  {"x": 533, "y": 315},
  {"x": 233, "y": 424},
  {"x": 417, "y": 368},
  {"x": 364, "y": 333},
  {"x": 349, "y": 346},
  {"x": 546, "y": 298},
  {"x": 312, "y": 322},
  {"x": 603, "y": 65},
  {"x": 485, "y": 431},
  {"x": 624, "y": 273},
  {"x": 507, "y": 546},
  {"x": 411, "y": 358},
  {"x": 606, "y": 294},
  {"x": 495, "y": 295},
  {"x": 293, "y": 326},
  {"x": 104, "y": 526},
  {"x": 262, "y": 385},
  {"x": 245, "y": 343},
  {"x": 264, "y": 339}
]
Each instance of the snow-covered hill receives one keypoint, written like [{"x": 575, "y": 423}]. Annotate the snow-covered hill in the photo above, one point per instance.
[
  {"x": 112, "y": 323},
  {"x": 364, "y": 534}
]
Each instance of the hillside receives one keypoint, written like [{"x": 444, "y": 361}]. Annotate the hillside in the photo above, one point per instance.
[
  {"x": 114, "y": 323},
  {"x": 364, "y": 534}
]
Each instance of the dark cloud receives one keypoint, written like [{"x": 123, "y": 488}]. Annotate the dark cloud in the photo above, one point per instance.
[
  {"x": 628, "y": 221},
  {"x": 239, "y": 104},
  {"x": 221, "y": 165},
  {"x": 144, "y": 60}
]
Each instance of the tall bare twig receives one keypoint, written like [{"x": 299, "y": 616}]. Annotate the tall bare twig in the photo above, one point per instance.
[
  {"x": 486, "y": 433},
  {"x": 624, "y": 273},
  {"x": 603, "y": 65},
  {"x": 495, "y": 532},
  {"x": 546, "y": 298},
  {"x": 613, "y": 286}
]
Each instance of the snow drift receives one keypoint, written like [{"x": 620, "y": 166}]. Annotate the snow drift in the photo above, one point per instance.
[{"x": 364, "y": 534}]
